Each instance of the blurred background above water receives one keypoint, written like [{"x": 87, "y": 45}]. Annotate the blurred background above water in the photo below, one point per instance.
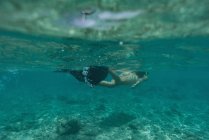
[
  {"x": 127, "y": 34},
  {"x": 108, "y": 19}
]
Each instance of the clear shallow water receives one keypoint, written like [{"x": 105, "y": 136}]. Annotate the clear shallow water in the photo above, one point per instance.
[
  {"x": 37, "y": 103},
  {"x": 171, "y": 104}
]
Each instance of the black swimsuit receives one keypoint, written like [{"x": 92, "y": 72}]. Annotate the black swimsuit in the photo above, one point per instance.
[{"x": 91, "y": 75}]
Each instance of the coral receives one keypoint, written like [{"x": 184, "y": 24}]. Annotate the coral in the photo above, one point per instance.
[{"x": 69, "y": 127}]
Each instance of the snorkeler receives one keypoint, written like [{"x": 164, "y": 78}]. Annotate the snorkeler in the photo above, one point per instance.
[
  {"x": 95, "y": 75},
  {"x": 125, "y": 78}
]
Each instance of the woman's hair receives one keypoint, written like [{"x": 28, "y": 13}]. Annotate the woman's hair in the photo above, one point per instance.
[{"x": 141, "y": 74}]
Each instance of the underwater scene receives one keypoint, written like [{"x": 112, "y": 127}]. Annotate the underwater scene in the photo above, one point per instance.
[{"x": 104, "y": 70}]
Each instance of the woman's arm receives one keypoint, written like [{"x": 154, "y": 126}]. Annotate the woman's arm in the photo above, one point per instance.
[
  {"x": 107, "y": 83},
  {"x": 115, "y": 80},
  {"x": 114, "y": 76},
  {"x": 139, "y": 81}
]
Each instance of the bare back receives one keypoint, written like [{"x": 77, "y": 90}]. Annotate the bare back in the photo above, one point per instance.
[
  {"x": 125, "y": 78},
  {"x": 128, "y": 78}
]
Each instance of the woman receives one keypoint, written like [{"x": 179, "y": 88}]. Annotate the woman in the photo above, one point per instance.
[
  {"x": 125, "y": 78},
  {"x": 96, "y": 75}
]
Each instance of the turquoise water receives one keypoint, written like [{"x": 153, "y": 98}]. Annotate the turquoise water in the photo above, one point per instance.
[{"x": 39, "y": 104}]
